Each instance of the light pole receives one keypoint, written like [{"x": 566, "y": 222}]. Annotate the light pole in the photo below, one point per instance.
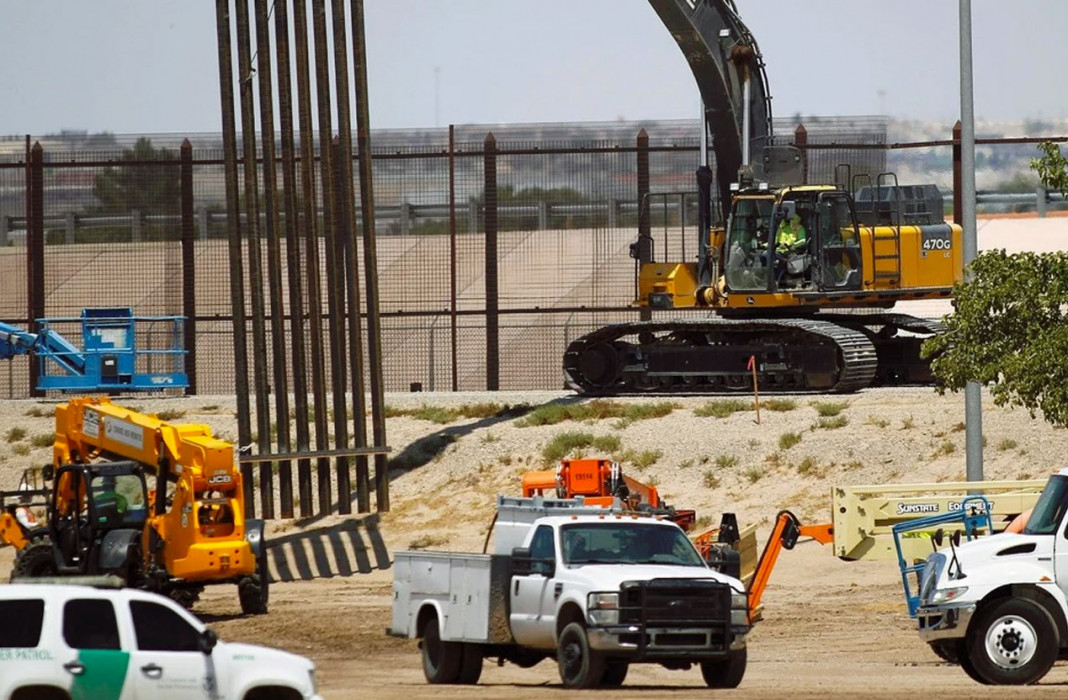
[{"x": 973, "y": 418}]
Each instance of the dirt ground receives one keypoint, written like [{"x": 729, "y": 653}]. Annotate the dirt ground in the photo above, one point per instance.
[{"x": 831, "y": 628}]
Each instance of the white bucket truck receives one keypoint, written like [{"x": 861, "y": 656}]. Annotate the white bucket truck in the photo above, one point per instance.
[
  {"x": 597, "y": 589},
  {"x": 997, "y": 605}
]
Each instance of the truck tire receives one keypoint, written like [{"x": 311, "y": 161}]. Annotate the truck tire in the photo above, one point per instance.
[
  {"x": 615, "y": 673},
  {"x": 947, "y": 649},
  {"x": 34, "y": 561},
  {"x": 470, "y": 664},
  {"x": 441, "y": 660},
  {"x": 252, "y": 590},
  {"x": 580, "y": 666},
  {"x": 1012, "y": 641},
  {"x": 727, "y": 673}
]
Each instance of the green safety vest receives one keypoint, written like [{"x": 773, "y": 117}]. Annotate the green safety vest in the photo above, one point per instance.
[{"x": 790, "y": 236}]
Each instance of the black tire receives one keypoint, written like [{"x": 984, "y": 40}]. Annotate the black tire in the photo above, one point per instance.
[
  {"x": 252, "y": 590},
  {"x": 614, "y": 674},
  {"x": 967, "y": 665},
  {"x": 1012, "y": 641},
  {"x": 947, "y": 649},
  {"x": 727, "y": 673},
  {"x": 470, "y": 664},
  {"x": 34, "y": 561},
  {"x": 441, "y": 660},
  {"x": 579, "y": 665},
  {"x": 186, "y": 597}
]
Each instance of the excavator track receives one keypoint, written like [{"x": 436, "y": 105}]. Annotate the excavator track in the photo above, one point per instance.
[
  {"x": 897, "y": 339},
  {"x": 713, "y": 356}
]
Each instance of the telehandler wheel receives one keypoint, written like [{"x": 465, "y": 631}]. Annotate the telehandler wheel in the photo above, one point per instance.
[
  {"x": 252, "y": 590},
  {"x": 580, "y": 666},
  {"x": 441, "y": 660},
  {"x": 727, "y": 673},
  {"x": 615, "y": 673},
  {"x": 470, "y": 664},
  {"x": 1012, "y": 642},
  {"x": 34, "y": 561}
]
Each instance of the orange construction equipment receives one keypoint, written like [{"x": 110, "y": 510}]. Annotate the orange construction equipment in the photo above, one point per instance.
[
  {"x": 783, "y": 536},
  {"x": 600, "y": 482}
]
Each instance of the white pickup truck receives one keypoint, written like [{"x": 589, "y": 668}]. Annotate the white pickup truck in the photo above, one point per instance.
[
  {"x": 64, "y": 642},
  {"x": 997, "y": 605},
  {"x": 593, "y": 588}
]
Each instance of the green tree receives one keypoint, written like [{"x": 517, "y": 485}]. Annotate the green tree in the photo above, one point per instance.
[
  {"x": 144, "y": 181},
  {"x": 1051, "y": 167},
  {"x": 1009, "y": 331}
]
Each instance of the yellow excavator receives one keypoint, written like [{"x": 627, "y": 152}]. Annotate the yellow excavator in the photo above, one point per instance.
[
  {"x": 103, "y": 518},
  {"x": 780, "y": 307},
  {"x": 799, "y": 280}
]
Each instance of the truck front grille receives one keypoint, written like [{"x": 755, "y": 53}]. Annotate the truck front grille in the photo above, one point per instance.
[{"x": 675, "y": 603}]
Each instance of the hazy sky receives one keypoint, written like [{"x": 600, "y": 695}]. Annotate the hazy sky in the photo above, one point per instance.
[{"x": 150, "y": 66}]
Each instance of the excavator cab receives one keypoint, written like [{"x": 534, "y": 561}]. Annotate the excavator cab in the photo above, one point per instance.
[{"x": 803, "y": 239}]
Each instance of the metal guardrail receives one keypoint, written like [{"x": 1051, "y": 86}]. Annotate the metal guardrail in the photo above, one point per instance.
[{"x": 403, "y": 219}]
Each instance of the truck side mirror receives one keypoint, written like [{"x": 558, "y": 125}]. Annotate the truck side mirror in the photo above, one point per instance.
[
  {"x": 521, "y": 561},
  {"x": 938, "y": 537},
  {"x": 207, "y": 641},
  {"x": 524, "y": 565},
  {"x": 48, "y": 472}
]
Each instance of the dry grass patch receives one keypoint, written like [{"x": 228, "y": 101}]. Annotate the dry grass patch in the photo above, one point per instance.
[
  {"x": 43, "y": 440},
  {"x": 788, "y": 440},
  {"x": 722, "y": 409},
  {"x": 573, "y": 443},
  {"x": 829, "y": 409},
  {"x": 832, "y": 423}
]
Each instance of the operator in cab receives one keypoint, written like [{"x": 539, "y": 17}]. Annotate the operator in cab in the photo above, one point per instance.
[{"x": 791, "y": 236}]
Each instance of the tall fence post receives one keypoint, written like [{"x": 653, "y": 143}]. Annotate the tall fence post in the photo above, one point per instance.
[
  {"x": 189, "y": 299},
  {"x": 493, "y": 340},
  {"x": 35, "y": 252},
  {"x": 958, "y": 201},
  {"x": 645, "y": 236},
  {"x": 1040, "y": 201},
  {"x": 452, "y": 259},
  {"x": 801, "y": 141}
]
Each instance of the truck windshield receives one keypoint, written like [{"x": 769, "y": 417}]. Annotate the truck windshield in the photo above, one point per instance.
[
  {"x": 627, "y": 542},
  {"x": 1049, "y": 511}
]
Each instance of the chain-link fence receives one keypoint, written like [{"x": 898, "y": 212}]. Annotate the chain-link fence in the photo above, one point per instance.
[{"x": 140, "y": 222}]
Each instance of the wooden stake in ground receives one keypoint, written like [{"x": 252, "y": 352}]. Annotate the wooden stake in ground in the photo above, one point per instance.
[{"x": 756, "y": 393}]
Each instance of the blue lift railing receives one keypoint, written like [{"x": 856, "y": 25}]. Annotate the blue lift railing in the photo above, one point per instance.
[
  {"x": 120, "y": 352},
  {"x": 973, "y": 516}
]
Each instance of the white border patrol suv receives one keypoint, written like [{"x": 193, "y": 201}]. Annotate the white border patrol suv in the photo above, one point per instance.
[{"x": 61, "y": 642}]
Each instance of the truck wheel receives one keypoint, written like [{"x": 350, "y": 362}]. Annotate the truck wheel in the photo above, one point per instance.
[
  {"x": 1012, "y": 642},
  {"x": 34, "y": 561},
  {"x": 727, "y": 673},
  {"x": 441, "y": 660},
  {"x": 947, "y": 649},
  {"x": 615, "y": 673},
  {"x": 580, "y": 666},
  {"x": 470, "y": 664},
  {"x": 252, "y": 590}
]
